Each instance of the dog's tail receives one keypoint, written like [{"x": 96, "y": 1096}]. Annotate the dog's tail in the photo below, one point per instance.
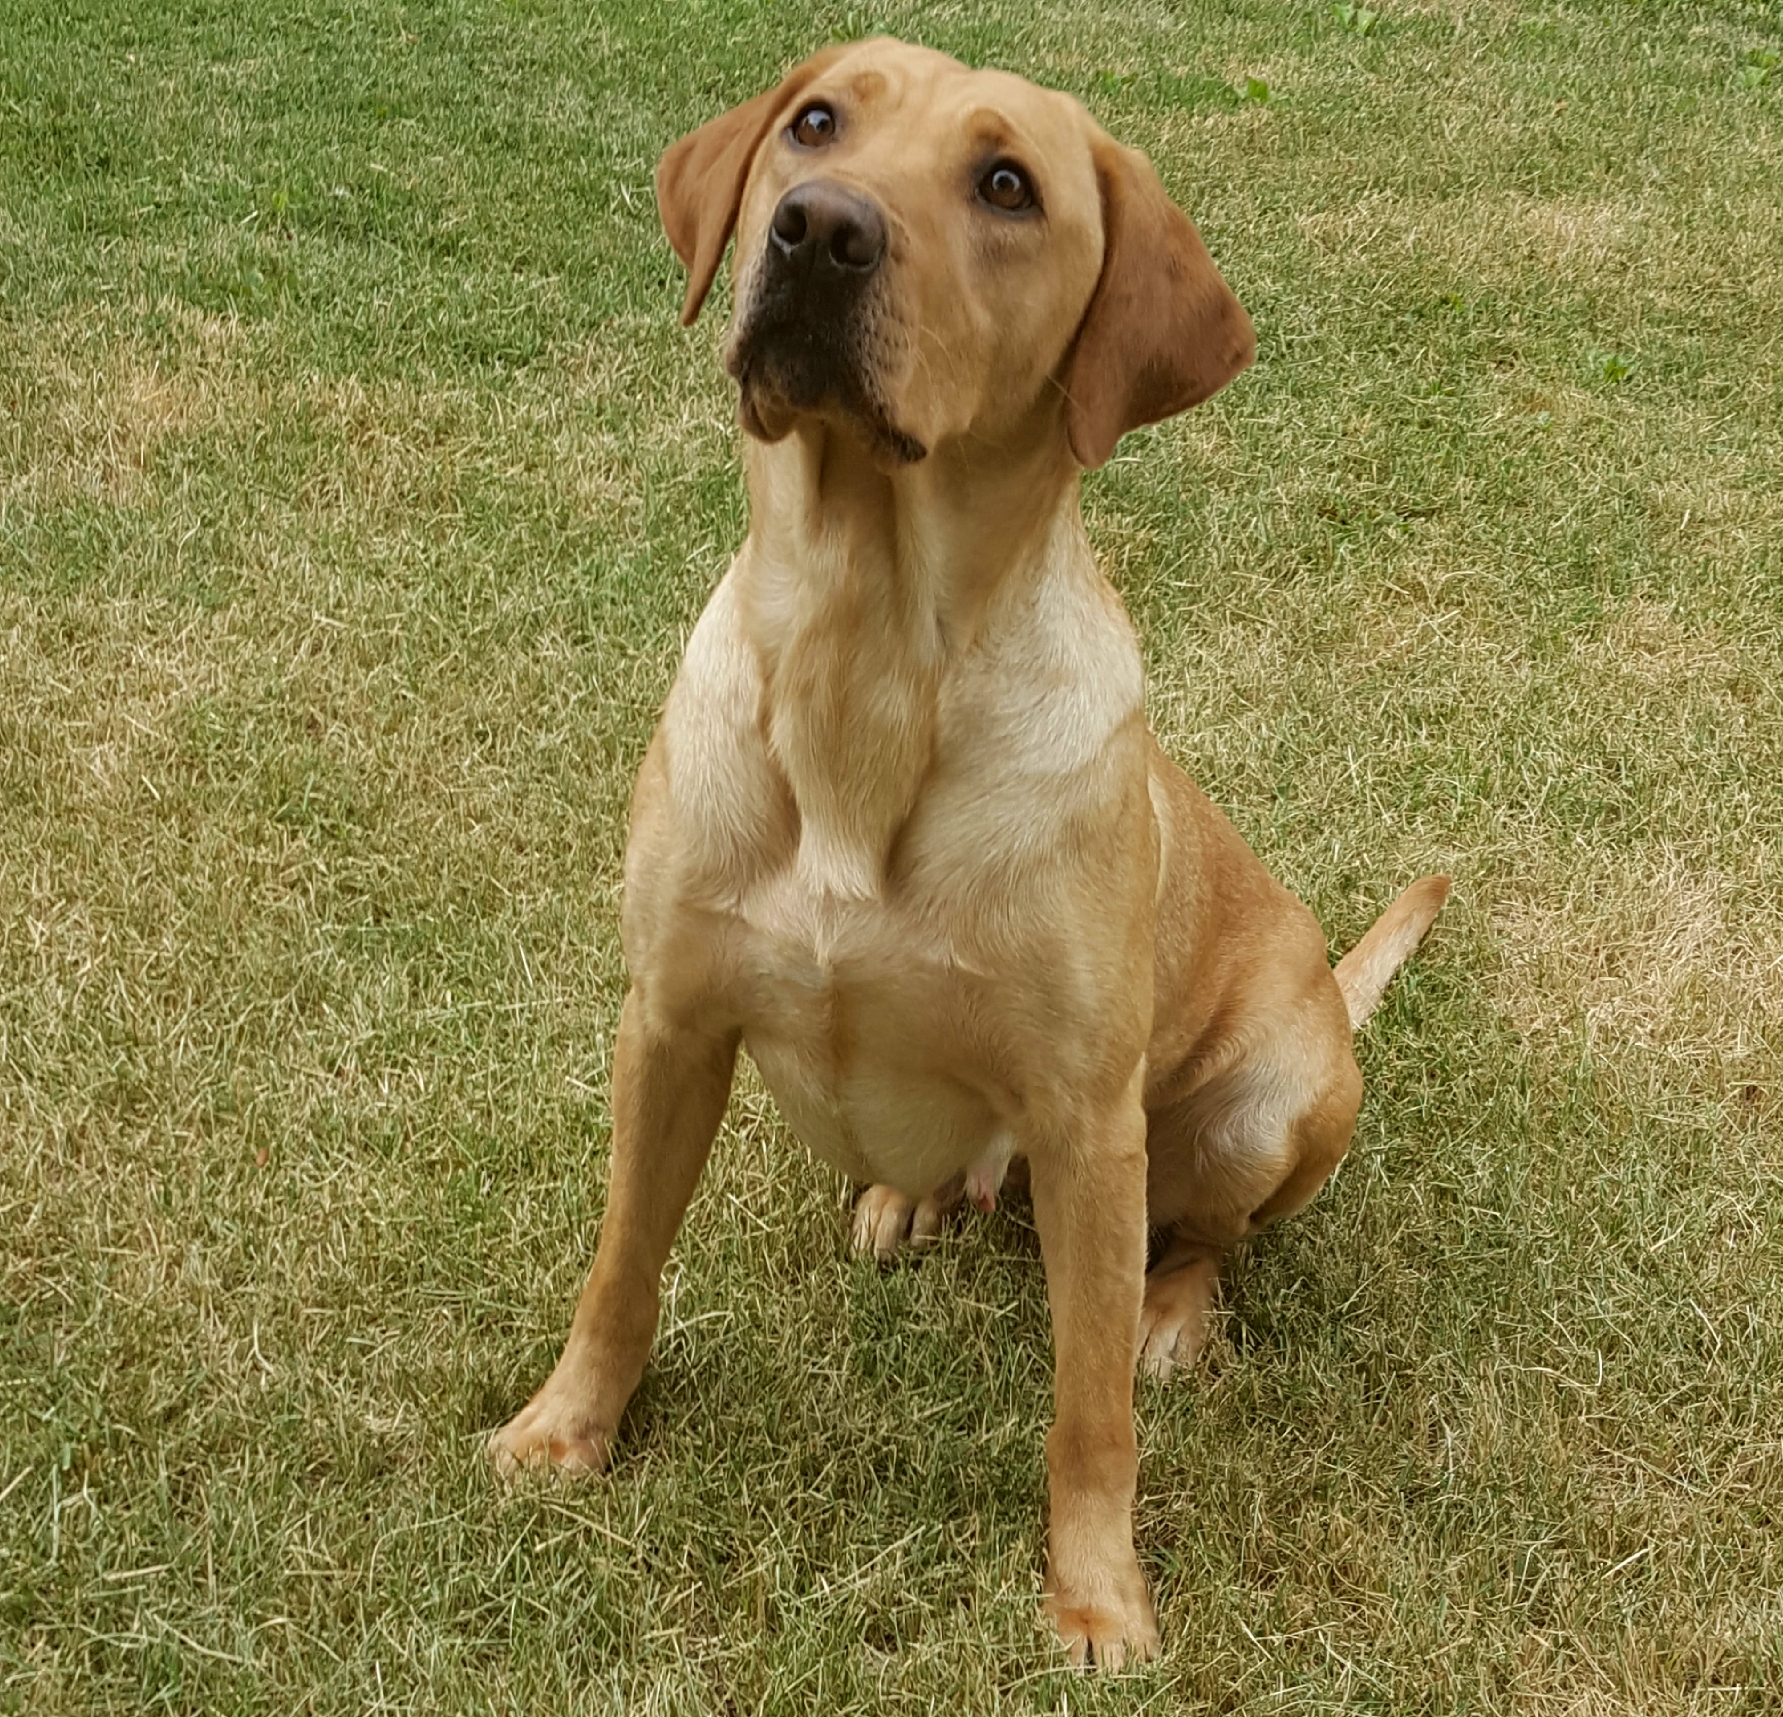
[{"x": 1364, "y": 973}]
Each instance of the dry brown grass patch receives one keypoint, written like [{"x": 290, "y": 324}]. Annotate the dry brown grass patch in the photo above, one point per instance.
[
  {"x": 98, "y": 405},
  {"x": 1649, "y": 954}
]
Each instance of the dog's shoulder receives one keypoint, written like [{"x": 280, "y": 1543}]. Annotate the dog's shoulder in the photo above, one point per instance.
[{"x": 716, "y": 782}]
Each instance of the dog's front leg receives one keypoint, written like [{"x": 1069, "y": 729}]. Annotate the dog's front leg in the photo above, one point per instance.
[
  {"x": 670, "y": 1084},
  {"x": 1089, "y": 1205}
]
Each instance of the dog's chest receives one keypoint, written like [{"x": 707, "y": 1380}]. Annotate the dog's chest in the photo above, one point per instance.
[
  {"x": 881, "y": 850},
  {"x": 855, "y": 1013}
]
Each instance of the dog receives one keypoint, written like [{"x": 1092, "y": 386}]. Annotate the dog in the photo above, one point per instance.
[{"x": 902, "y": 830}]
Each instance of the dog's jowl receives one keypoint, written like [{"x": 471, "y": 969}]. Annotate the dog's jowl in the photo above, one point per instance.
[{"x": 902, "y": 832}]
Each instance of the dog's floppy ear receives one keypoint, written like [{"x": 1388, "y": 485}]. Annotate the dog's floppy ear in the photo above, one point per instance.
[
  {"x": 699, "y": 181},
  {"x": 1163, "y": 330}
]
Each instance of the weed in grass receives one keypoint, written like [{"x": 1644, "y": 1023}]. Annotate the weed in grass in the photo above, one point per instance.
[{"x": 1357, "y": 20}]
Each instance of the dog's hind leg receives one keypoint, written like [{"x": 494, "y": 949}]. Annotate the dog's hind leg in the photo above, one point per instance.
[
  {"x": 1251, "y": 1147},
  {"x": 1254, "y": 1142},
  {"x": 1179, "y": 1293}
]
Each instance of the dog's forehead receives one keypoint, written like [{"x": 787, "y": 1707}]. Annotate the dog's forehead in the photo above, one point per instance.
[{"x": 917, "y": 92}]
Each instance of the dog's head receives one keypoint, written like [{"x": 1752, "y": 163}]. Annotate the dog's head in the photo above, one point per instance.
[{"x": 927, "y": 252}]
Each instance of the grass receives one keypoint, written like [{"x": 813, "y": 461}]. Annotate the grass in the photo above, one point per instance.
[{"x": 356, "y": 492}]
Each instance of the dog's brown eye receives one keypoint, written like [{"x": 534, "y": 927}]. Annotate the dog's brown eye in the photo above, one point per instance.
[
  {"x": 814, "y": 127},
  {"x": 1006, "y": 186}
]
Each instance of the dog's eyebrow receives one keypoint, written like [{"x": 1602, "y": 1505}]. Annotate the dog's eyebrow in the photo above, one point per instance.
[{"x": 993, "y": 130}]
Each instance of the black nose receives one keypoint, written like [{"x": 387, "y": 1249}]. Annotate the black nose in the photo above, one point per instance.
[{"x": 822, "y": 229}]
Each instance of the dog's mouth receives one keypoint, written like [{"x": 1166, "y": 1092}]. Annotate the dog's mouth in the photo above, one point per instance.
[{"x": 798, "y": 353}]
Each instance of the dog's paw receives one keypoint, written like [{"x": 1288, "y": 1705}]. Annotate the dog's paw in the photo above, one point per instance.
[
  {"x": 882, "y": 1221},
  {"x": 550, "y": 1434},
  {"x": 886, "y": 1221},
  {"x": 1173, "y": 1323},
  {"x": 1109, "y": 1629}
]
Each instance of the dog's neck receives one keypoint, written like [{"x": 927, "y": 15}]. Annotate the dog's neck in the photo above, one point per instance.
[
  {"x": 934, "y": 539},
  {"x": 858, "y": 587}
]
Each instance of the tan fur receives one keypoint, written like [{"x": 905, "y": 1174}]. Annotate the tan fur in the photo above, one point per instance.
[
  {"x": 902, "y": 830},
  {"x": 1364, "y": 973}
]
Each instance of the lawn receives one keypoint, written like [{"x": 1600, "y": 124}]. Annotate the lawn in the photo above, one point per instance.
[{"x": 357, "y": 490}]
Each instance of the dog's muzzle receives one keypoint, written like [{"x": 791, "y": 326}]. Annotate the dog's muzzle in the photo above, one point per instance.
[{"x": 811, "y": 333}]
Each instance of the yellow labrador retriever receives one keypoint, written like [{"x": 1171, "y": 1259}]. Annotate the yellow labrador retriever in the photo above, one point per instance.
[{"x": 902, "y": 830}]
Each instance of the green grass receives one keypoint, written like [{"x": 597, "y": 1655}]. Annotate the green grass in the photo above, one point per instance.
[{"x": 357, "y": 490}]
